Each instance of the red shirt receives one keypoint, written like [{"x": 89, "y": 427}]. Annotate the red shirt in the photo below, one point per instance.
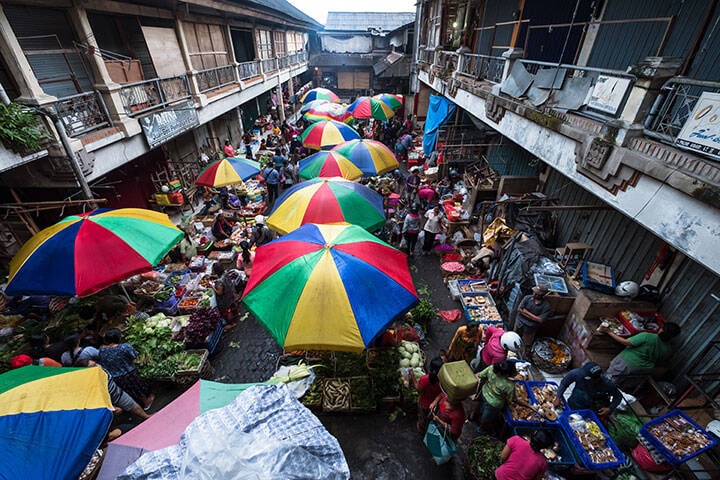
[
  {"x": 456, "y": 418},
  {"x": 524, "y": 463},
  {"x": 229, "y": 151},
  {"x": 427, "y": 392},
  {"x": 493, "y": 352}
]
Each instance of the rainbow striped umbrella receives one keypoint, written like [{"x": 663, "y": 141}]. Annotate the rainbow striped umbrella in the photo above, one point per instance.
[
  {"x": 327, "y": 200},
  {"x": 319, "y": 94},
  {"x": 312, "y": 104},
  {"x": 51, "y": 420},
  {"x": 368, "y": 107},
  {"x": 370, "y": 156},
  {"x": 326, "y": 164},
  {"x": 328, "y": 111},
  {"x": 228, "y": 171},
  {"x": 328, "y": 287},
  {"x": 392, "y": 101},
  {"x": 327, "y": 134},
  {"x": 85, "y": 253}
]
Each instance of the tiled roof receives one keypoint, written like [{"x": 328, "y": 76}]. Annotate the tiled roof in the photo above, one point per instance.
[{"x": 361, "y": 21}]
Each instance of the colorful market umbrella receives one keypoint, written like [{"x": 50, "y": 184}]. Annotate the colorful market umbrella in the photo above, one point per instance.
[
  {"x": 368, "y": 107},
  {"x": 327, "y": 134},
  {"x": 393, "y": 101},
  {"x": 85, "y": 253},
  {"x": 327, "y": 200},
  {"x": 328, "y": 287},
  {"x": 228, "y": 171},
  {"x": 326, "y": 164},
  {"x": 370, "y": 156},
  {"x": 51, "y": 420},
  {"x": 328, "y": 111},
  {"x": 319, "y": 94},
  {"x": 312, "y": 104}
]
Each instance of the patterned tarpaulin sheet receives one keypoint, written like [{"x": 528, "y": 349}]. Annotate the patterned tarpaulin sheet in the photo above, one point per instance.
[{"x": 265, "y": 432}]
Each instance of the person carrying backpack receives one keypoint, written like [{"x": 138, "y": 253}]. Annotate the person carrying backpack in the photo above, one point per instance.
[{"x": 261, "y": 234}]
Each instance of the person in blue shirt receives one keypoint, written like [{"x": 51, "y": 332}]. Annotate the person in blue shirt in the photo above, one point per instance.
[
  {"x": 272, "y": 180},
  {"x": 592, "y": 390},
  {"x": 279, "y": 159}
]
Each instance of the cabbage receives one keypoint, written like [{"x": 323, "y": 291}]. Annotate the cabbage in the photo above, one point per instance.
[
  {"x": 404, "y": 362},
  {"x": 415, "y": 360}
]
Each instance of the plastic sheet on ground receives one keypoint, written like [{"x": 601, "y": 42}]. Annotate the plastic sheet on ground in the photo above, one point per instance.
[{"x": 265, "y": 433}]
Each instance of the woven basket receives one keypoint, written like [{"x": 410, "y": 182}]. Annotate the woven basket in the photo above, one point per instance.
[{"x": 541, "y": 355}]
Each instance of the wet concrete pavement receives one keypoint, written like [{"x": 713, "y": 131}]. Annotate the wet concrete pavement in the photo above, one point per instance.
[{"x": 378, "y": 445}]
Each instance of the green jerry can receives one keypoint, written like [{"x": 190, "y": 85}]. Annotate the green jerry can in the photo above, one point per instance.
[{"x": 457, "y": 380}]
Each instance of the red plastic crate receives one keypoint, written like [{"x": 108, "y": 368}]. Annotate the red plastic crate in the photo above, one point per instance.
[{"x": 625, "y": 319}]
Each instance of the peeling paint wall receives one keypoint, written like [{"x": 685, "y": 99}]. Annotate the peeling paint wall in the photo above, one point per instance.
[{"x": 684, "y": 222}]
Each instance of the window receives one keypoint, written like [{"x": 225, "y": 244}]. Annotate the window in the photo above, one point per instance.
[
  {"x": 279, "y": 42},
  {"x": 263, "y": 39},
  {"x": 206, "y": 45}
]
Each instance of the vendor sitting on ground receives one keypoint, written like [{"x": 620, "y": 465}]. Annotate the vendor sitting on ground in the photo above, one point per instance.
[
  {"x": 641, "y": 355},
  {"x": 531, "y": 313},
  {"x": 222, "y": 228},
  {"x": 118, "y": 397},
  {"x": 226, "y": 294},
  {"x": 118, "y": 360},
  {"x": 592, "y": 391},
  {"x": 76, "y": 351}
]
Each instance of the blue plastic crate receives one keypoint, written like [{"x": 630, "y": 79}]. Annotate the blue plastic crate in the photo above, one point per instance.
[
  {"x": 668, "y": 455},
  {"x": 214, "y": 339},
  {"x": 169, "y": 307},
  {"x": 530, "y": 384},
  {"x": 582, "y": 455},
  {"x": 566, "y": 453},
  {"x": 605, "y": 284},
  {"x": 467, "y": 285},
  {"x": 533, "y": 401}
]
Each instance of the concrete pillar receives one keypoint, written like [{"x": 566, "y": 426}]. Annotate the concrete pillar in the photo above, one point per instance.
[
  {"x": 231, "y": 51},
  {"x": 291, "y": 91},
  {"x": 109, "y": 89},
  {"x": 651, "y": 73},
  {"x": 281, "y": 101},
  {"x": 199, "y": 98},
  {"x": 511, "y": 55},
  {"x": 31, "y": 92}
]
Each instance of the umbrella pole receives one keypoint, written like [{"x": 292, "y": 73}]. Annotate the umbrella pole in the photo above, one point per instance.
[{"x": 125, "y": 292}]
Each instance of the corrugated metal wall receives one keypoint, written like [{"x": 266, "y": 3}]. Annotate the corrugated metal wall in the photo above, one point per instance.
[
  {"x": 509, "y": 159},
  {"x": 687, "y": 299},
  {"x": 617, "y": 240},
  {"x": 642, "y": 39}
]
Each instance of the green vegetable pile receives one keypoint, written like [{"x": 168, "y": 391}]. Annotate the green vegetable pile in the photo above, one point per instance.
[
  {"x": 164, "y": 293},
  {"x": 361, "y": 394},
  {"x": 153, "y": 341},
  {"x": 483, "y": 456},
  {"x": 384, "y": 373},
  {"x": 350, "y": 364}
]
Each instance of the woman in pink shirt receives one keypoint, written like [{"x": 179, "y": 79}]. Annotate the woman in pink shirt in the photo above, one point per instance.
[
  {"x": 497, "y": 344},
  {"x": 522, "y": 459}
]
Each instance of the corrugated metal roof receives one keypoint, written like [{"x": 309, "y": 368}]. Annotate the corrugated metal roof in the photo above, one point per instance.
[
  {"x": 283, "y": 6},
  {"x": 386, "y": 62},
  {"x": 361, "y": 21}
]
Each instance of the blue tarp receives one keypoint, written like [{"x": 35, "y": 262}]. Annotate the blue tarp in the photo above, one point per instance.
[{"x": 439, "y": 111}]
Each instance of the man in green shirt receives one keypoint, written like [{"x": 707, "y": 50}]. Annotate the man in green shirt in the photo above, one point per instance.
[{"x": 641, "y": 354}]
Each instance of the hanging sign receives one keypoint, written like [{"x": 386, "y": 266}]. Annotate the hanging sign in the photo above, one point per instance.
[
  {"x": 159, "y": 127},
  {"x": 701, "y": 131}
]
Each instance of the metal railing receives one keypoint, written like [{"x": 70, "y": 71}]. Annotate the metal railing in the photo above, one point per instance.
[
  {"x": 269, "y": 65},
  {"x": 446, "y": 60},
  {"x": 284, "y": 62},
  {"x": 621, "y": 80},
  {"x": 482, "y": 67},
  {"x": 302, "y": 56},
  {"x": 215, "y": 78},
  {"x": 150, "y": 94},
  {"x": 82, "y": 113},
  {"x": 425, "y": 56},
  {"x": 674, "y": 105},
  {"x": 249, "y": 69}
]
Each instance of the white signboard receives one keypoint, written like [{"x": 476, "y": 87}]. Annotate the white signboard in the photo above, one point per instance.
[
  {"x": 701, "y": 131},
  {"x": 608, "y": 94}
]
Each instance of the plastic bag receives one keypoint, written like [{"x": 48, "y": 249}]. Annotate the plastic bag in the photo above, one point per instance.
[
  {"x": 547, "y": 266},
  {"x": 421, "y": 236},
  {"x": 623, "y": 429},
  {"x": 439, "y": 443}
]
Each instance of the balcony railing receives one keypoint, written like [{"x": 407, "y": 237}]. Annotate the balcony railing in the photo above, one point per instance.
[
  {"x": 249, "y": 70},
  {"x": 618, "y": 78},
  {"x": 269, "y": 65},
  {"x": 151, "y": 94},
  {"x": 674, "y": 105},
  {"x": 482, "y": 67},
  {"x": 425, "y": 55},
  {"x": 284, "y": 62},
  {"x": 82, "y": 113},
  {"x": 446, "y": 60},
  {"x": 215, "y": 78}
]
